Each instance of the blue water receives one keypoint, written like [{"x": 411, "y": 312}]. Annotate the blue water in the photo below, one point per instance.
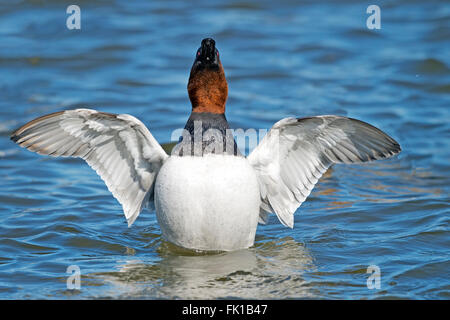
[{"x": 281, "y": 58}]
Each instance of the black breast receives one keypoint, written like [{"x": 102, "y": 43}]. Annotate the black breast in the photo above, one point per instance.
[{"x": 206, "y": 133}]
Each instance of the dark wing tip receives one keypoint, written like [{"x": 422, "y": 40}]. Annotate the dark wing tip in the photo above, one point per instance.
[
  {"x": 15, "y": 136},
  {"x": 19, "y": 133},
  {"x": 397, "y": 148},
  {"x": 381, "y": 145},
  {"x": 393, "y": 147}
]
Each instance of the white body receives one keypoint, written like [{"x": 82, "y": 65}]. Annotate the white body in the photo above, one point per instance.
[{"x": 208, "y": 203}]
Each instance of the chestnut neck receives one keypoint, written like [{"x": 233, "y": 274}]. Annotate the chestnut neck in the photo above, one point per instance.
[{"x": 208, "y": 90}]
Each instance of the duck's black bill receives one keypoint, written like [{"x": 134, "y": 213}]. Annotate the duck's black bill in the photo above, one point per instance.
[{"x": 207, "y": 53}]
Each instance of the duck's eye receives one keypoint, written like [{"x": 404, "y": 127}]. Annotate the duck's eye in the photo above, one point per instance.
[
  {"x": 217, "y": 53},
  {"x": 198, "y": 53}
]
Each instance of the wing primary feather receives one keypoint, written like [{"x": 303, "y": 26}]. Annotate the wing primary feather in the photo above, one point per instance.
[{"x": 118, "y": 147}]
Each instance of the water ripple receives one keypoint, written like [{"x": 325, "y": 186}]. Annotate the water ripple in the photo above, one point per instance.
[{"x": 281, "y": 59}]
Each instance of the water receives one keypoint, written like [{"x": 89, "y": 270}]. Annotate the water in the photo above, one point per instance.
[{"x": 281, "y": 58}]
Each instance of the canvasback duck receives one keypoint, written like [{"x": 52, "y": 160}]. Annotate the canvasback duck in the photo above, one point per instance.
[{"x": 207, "y": 195}]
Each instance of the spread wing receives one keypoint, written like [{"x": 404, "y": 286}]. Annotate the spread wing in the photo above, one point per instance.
[
  {"x": 119, "y": 148},
  {"x": 296, "y": 152}
]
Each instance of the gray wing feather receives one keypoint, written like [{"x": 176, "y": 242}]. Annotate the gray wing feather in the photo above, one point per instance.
[
  {"x": 296, "y": 153},
  {"x": 118, "y": 147}
]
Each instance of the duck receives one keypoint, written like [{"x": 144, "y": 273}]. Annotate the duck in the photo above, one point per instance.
[{"x": 207, "y": 195}]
